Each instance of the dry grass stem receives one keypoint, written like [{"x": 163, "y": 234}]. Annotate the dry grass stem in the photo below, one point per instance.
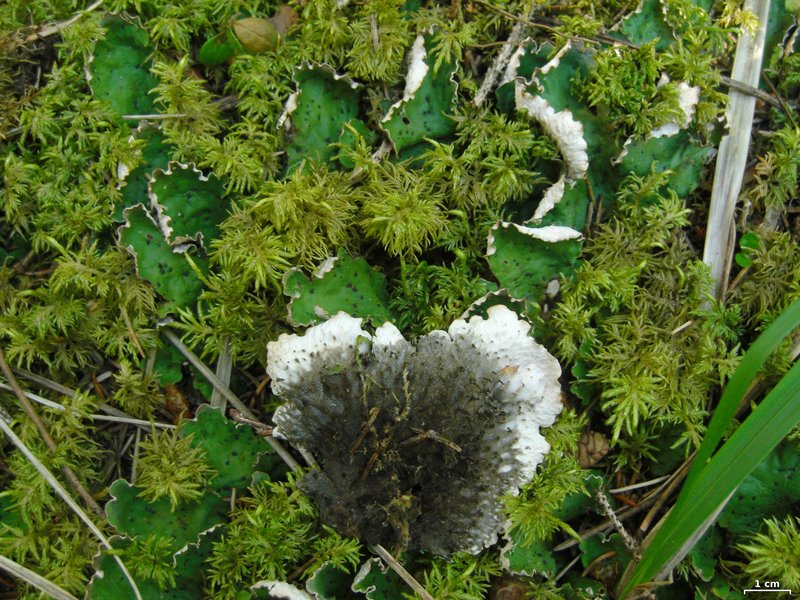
[
  {"x": 224, "y": 369},
  {"x": 229, "y": 395},
  {"x": 31, "y": 413},
  {"x": 401, "y": 571},
  {"x": 58, "y": 27},
  {"x": 34, "y": 579},
  {"x": 64, "y": 494},
  {"x": 500, "y": 62},
  {"x": 128, "y": 420},
  {"x": 733, "y": 149}
]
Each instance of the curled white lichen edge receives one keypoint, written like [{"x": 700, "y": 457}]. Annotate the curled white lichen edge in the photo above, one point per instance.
[
  {"x": 550, "y": 198},
  {"x": 162, "y": 218},
  {"x": 550, "y": 234},
  {"x": 510, "y": 73},
  {"x": 281, "y": 589},
  {"x": 124, "y": 170},
  {"x": 566, "y": 131},
  {"x": 417, "y": 70},
  {"x": 688, "y": 99}
]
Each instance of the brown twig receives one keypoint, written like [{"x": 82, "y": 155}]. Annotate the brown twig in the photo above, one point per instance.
[
  {"x": 630, "y": 543},
  {"x": 48, "y": 30},
  {"x": 779, "y": 99},
  {"x": 259, "y": 427},
  {"x": 566, "y": 569},
  {"x": 598, "y": 39},
  {"x": 752, "y": 91},
  {"x": 607, "y": 525},
  {"x": 98, "y": 388},
  {"x": 680, "y": 475},
  {"x": 624, "y": 513},
  {"x": 21, "y": 265},
  {"x": 500, "y": 63},
  {"x": 224, "y": 370},
  {"x": 602, "y": 558},
  {"x": 65, "y": 391},
  {"x": 30, "y": 411},
  {"x": 401, "y": 571},
  {"x": 227, "y": 393}
]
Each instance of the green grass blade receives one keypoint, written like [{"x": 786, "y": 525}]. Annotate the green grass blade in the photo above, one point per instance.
[
  {"x": 713, "y": 483},
  {"x": 769, "y": 423},
  {"x": 751, "y": 363}
]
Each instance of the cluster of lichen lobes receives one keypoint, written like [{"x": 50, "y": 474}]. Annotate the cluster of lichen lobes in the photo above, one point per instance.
[
  {"x": 415, "y": 445},
  {"x": 175, "y": 504},
  {"x": 120, "y": 69}
]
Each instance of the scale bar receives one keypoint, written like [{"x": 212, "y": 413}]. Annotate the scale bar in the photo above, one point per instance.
[{"x": 767, "y": 590}]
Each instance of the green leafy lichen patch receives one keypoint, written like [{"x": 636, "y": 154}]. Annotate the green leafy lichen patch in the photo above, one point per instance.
[
  {"x": 134, "y": 516},
  {"x": 599, "y": 545},
  {"x": 219, "y": 49},
  {"x": 427, "y": 101},
  {"x": 168, "y": 364},
  {"x": 120, "y": 68},
  {"x": 377, "y": 582},
  {"x": 329, "y": 583},
  {"x": 772, "y": 489},
  {"x": 165, "y": 577},
  {"x": 704, "y": 554},
  {"x": 571, "y": 205},
  {"x": 499, "y": 297},
  {"x": 155, "y": 155},
  {"x": 189, "y": 205},
  {"x": 157, "y": 262},
  {"x": 526, "y": 558},
  {"x": 339, "y": 284},
  {"x": 647, "y": 24},
  {"x": 323, "y": 103},
  {"x": 232, "y": 450},
  {"x": 679, "y": 154},
  {"x": 525, "y": 259}
]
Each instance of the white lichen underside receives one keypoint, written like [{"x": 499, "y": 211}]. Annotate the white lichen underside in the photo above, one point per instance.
[
  {"x": 328, "y": 345},
  {"x": 526, "y": 375},
  {"x": 282, "y": 589},
  {"x": 566, "y": 131},
  {"x": 549, "y": 233},
  {"x": 417, "y": 70},
  {"x": 550, "y": 198},
  {"x": 529, "y": 375}
]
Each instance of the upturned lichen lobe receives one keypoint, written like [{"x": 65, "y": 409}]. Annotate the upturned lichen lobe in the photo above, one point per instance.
[{"x": 416, "y": 444}]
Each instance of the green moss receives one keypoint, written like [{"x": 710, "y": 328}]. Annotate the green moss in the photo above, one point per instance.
[
  {"x": 534, "y": 512},
  {"x": 644, "y": 350},
  {"x": 640, "y": 292},
  {"x": 463, "y": 577},
  {"x": 270, "y": 531},
  {"x": 774, "y": 553},
  {"x": 624, "y": 88},
  {"x": 171, "y": 467}
]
